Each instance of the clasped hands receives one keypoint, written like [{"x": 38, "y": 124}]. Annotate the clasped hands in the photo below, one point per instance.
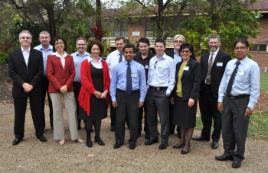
[
  {"x": 100, "y": 95},
  {"x": 27, "y": 87}
]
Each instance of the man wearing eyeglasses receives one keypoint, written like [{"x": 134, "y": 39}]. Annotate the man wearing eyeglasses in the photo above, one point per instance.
[
  {"x": 212, "y": 68},
  {"x": 161, "y": 81},
  {"x": 79, "y": 56},
  {"x": 46, "y": 49},
  {"x": 25, "y": 67},
  {"x": 174, "y": 53}
]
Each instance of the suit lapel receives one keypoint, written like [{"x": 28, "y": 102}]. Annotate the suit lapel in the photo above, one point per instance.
[
  {"x": 21, "y": 58},
  {"x": 216, "y": 59},
  {"x": 31, "y": 57},
  {"x": 185, "y": 71}
]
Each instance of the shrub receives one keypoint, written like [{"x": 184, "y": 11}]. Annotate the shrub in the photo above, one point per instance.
[{"x": 3, "y": 58}]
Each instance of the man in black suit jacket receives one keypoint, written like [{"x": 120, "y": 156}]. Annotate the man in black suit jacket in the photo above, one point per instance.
[
  {"x": 25, "y": 66},
  {"x": 212, "y": 69}
]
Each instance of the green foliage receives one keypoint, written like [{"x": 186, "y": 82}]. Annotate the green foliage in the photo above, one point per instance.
[
  {"x": 264, "y": 81},
  {"x": 3, "y": 58}
]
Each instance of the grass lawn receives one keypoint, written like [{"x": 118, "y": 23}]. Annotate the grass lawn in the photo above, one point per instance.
[{"x": 264, "y": 81}]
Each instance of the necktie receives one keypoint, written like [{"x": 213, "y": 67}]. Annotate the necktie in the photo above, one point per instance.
[
  {"x": 120, "y": 57},
  {"x": 129, "y": 80},
  {"x": 231, "y": 81},
  {"x": 210, "y": 64}
]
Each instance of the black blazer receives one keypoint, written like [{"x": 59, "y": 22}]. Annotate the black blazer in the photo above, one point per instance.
[
  {"x": 170, "y": 53},
  {"x": 190, "y": 80},
  {"x": 20, "y": 73},
  {"x": 217, "y": 70}
]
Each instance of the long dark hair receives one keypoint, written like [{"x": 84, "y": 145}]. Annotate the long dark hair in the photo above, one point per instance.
[{"x": 188, "y": 46}]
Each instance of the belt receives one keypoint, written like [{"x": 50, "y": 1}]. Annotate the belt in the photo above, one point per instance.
[
  {"x": 238, "y": 96},
  {"x": 122, "y": 91},
  {"x": 158, "y": 88}
]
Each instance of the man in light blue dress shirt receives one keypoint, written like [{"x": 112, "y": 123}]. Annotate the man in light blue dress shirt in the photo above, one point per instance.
[
  {"x": 46, "y": 49},
  {"x": 79, "y": 56},
  {"x": 127, "y": 90},
  {"x": 238, "y": 94},
  {"x": 161, "y": 81},
  {"x": 114, "y": 58}
]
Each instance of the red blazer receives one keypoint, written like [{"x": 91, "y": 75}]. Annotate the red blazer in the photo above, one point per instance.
[
  {"x": 88, "y": 88},
  {"x": 59, "y": 76}
]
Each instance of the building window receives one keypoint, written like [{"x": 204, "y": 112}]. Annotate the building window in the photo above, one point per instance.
[{"x": 259, "y": 47}]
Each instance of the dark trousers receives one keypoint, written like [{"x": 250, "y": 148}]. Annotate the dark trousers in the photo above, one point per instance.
[
  {"x": 208, "y": 108},
  {"x": 76, "y": 87},
  {"x": 158, "y": 102},
  {"x": 143, "y": 111},
  {"x": 20, "y": 105},
  {"x": 44, "y": 94},
  {"x": 172, "y": 125},
  {"x": 112, "y": 113},
  {"x": 127, "y": 107},
  {"x": 235, "y": 125}
]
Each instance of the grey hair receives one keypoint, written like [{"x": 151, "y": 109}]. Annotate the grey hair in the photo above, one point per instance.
[{"x": 179, "y": 36}]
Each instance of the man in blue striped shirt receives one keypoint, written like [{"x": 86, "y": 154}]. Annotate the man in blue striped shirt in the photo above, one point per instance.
[
  {"x": 238, "y": 94},
  {"x": 127, "y": 90}
]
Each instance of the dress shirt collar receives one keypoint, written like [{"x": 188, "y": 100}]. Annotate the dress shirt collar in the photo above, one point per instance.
[
  {"x": 163, "y": 57},
  {"x": 215, "y": 52},
  {"x": 83, "y": 55},
  {"x": 243, "y": 61},
  {"x": 50, "y": 48},
  {"x": 25, "y": 50},
  {"x": 176, "y": 53},
  {"x": 58, "y": 55}
]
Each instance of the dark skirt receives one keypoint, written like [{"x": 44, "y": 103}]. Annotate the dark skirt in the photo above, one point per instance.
[{"x": 184, "y": 116}]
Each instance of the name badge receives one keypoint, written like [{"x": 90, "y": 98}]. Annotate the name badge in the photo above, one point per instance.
[
  {"x": 219, "y": 64},
  {"x": 134, "y": 75},
  {"x": 146, "y": 67},
  {"x": 186, "y": 68}
]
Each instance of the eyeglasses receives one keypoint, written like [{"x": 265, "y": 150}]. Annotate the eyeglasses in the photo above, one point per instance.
[
  {"x": 185, "y": 51},
  {"x": 178, "y": 41},
  {"x": 240, "y": 48},
  {"x": 25, "y": 37}
]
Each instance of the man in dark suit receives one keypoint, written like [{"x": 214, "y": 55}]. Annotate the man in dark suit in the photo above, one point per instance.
[
  {"x": 25, "y": 67},
  {"x": 212, "y": 69}
]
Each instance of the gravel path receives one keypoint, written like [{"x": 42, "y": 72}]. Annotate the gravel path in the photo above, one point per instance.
[{"x": 33, "y": 156}]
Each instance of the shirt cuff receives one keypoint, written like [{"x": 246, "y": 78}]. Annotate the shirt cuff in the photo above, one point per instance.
[
  {"x": 168, "y": 92},
  {"x": 220, "y": 99},
  {"x": 113, "y": 99},
  {"x": 251, "y": 105}
]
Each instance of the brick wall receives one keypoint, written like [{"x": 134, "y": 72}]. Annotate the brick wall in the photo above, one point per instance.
[{"x": 261, "y": 58}]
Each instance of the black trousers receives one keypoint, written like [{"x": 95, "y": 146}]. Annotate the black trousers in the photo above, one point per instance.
[
  {"x": 127, "y": 107},
  {"x": 97, "y": 127},
  {"x": 235, "y": 125},
  {"x": 143, "y": 111},
  {"x": 44, "y": 94},
  {"x": 158, "y": 102},
  {"x": 20, "y": 105},
  {"x": 76, "y": 87},
  {"x": 112, "y": 113},
  {"x": 208, "y": 108}
]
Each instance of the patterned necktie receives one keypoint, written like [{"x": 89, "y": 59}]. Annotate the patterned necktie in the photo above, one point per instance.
[
  {"x": 129, "y": 80},
  {"x": 231, "y": 81},
  {"x": 210, "y": 64},
  {"x": 120, "y": 57}
]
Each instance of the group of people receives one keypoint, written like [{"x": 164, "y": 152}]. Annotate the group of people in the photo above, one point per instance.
[{"x": 168, "y": 83}]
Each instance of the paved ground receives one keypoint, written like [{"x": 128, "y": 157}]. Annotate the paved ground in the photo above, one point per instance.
[{"x": 34, "y": 156}]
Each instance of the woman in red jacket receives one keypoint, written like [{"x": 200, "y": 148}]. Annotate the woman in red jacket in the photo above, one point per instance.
[
  {"x": 95, "y": 80},
  {"x": 60, "y": 74}
]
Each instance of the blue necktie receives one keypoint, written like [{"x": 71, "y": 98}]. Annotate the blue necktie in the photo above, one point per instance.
[
  {"x": 120, "y": 57},
  {"x": 231, "y": 81},
  {"x": 129, "y": 80}
]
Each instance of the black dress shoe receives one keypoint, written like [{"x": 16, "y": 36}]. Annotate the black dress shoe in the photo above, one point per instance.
[
  {"x": 236, "y": 163},
  {"x": 42, "y": 138},
  {"x": 117, "y": 145},
  {"x": 163, "y": 146},
  {"x": 151, "y": 141},
  {"x": 99, "y": 141},
  {"x": 16, "y": 141},
  {"x": 88, "y": 142},
  {"x": 214, "y": 145},
  {"x": 200, "y": 138},
  {"x": 132, "y": 145},
  {"x": 224, "y": 157},
  {"x": 178, "y": 146}
]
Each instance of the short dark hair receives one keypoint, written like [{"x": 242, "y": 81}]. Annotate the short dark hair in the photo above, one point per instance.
[
  {"x": 81, "y": 38},
  {"x": 241, "y": 40},
  {"x": 57, "y": 38},
  {"x": 95, "y": 42},
  {"x": 129, "y": 45},
  {"x": 143, "y": 40},
  {"x": 188, "y": 46},
  {"x": 120, "y": 38},
  {"x": 160, "y": 40}
]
